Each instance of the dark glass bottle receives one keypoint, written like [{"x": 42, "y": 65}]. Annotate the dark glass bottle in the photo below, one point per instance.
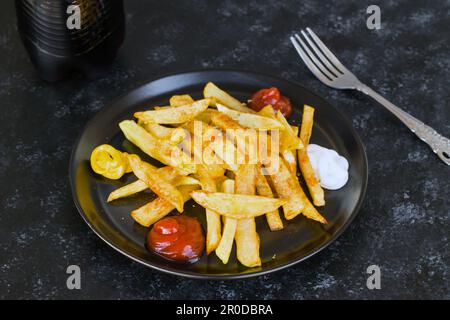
[{"x": 58, "y": 46}]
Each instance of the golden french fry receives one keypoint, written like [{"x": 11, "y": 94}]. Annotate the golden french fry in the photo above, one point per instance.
[
  {"x": 157, "y": 130},
  {"x": 199, "y": 147},
  {"x": 251, "y": 120},
  {"x": 204, "y": 153},
  {"x": 216, "y": 171},
  {"x": 198, "y": 128},
  {"x": 247, "y": 243},
  {"x": 156, "y": 182},
  {"x": 156, "y": 148},
  {"x": 311, "y": 212},
  {"x": 287, "y": 186},
  {"x": 205, "y": 116},
  {"x": 213, "y": 232},
  {"x": 219, "y": 181},
  {"x": 180, "y": 100},
  {"x": 263, "y": 188},
  {"x": 247, "y": 239},
  {"x": 315, "y": 190},
  {"x": 157, "y": 209},
  {"x": 218, "y": 95},
  {"x": 185, "y": 181},
  {"x": 127, "y": 190},
  {"x": 237, "y": 206},
  {"x": 288, "y": 154},
  {"x": 178, "y": 135},
  {"x": 291, "y": 160},
  {"x": 174, "y": 115},
  {"x": 168, "y": 173},
  {"x": 224, "y": 121},
  {"x": 173, "y": 135},
  {"x": 225, "y": 150},
  {"x": 307, "y": 124},
  {"x": 223, "y": 250},
  {"x": 246, "y": 140},
  {"x": 161, "y": 108},
  {"x": 289, "y": 139},
  {"x": 267, "y": 111}
]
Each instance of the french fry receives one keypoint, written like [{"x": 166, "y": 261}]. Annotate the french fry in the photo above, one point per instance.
[
  {"x": 168, "y": 173},
  {"x": 173, "y": 135},
  {"x": 287, "y": 186},
  {"x": 201, "y": 131},
  {"x": 216, "y": 171},
  {"x": 127, "y": 190},
  {"x": 205, "y": 116},
  {"x": 291, "y": 160},
  {"x": 157, "y": 130},
  {"x": 315, "y": 190},
  {"x": 199, "y": 128},
  {"x": 173, "y": 115},
  {"x": 185, "y": 181},
  {"x": 267, "y": 111},
  {"x": 247, "y": 239},
  {"x": 251, "y": 120},
  {"x": 226, "y": 150},
  {"x": 178, "y": 135},
  {"x": 263, "y": 188},
  {"x": 156, "y": 148},
  {"x": 311, "y": 212},
  {"x": 180, "y": 100},
  {"x": 307, "y": 124},
  {"x": 223, "y": 250},
  {"x": 219, "y": 181},
  {"x": 157, "y": 209},
  {"x": 213, "y": 229},
  {"x": 268, "y": 151},
  {"x": 238, "y": 206},
  {"x": 246, "y": 140},
  {"x": 288, "y": 154},
  {"x": 156, "y": 182},
  {"x": 289, "y": 139},
  {"x": 218, "y": 95},
  {"x": 224, "y": 121}
]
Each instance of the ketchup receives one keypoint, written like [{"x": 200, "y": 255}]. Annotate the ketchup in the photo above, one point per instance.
[
  {"x": 177, "y": 238},
  {"x": 273, "y": 97}
]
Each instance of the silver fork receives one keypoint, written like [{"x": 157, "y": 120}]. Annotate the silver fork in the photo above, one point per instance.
[{"x": 328, "y": 69}]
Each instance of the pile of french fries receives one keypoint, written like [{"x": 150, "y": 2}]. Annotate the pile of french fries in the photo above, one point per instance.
[{"x": 233, "y": 193}]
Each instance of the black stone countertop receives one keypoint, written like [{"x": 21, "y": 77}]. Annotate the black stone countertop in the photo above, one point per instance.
[{"x": 403, "y": 225}]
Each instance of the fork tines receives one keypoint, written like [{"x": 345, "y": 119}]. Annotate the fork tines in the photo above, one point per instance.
[{"x": 317, "y": 57}]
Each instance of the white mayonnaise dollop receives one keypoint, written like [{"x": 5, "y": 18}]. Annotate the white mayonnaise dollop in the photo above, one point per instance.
[{"x": 331, "y": 169}]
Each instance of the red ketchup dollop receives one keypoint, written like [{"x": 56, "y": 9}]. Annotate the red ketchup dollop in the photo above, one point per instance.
[
  {"x": 273, "y": 97},
  {"x": 178, "y": 238}
]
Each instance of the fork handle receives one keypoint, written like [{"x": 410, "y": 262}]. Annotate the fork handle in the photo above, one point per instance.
[{"x": 438, "y": 143}]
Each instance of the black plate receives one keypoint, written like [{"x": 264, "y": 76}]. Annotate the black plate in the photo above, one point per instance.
[{"x": 300, "y": 239}]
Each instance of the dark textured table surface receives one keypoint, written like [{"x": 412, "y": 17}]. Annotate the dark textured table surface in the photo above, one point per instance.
[{"x": 403, "y": 225}]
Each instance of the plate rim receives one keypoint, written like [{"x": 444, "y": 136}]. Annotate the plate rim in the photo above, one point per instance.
[{"x": 193, "y": 275}]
